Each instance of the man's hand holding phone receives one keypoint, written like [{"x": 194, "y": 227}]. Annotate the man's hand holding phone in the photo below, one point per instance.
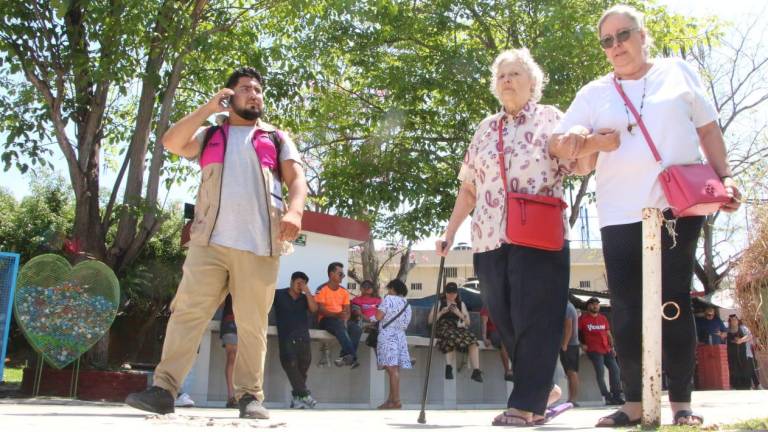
[{"x": 221, "y": 101}]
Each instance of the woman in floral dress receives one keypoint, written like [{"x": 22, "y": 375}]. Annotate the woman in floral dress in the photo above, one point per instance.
[{"x": 394, "y": 315}]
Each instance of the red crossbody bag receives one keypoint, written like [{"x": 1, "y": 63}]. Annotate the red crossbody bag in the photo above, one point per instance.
[
  {"x": 691, "y": 190},
  {"x": 532, "y": 220}
]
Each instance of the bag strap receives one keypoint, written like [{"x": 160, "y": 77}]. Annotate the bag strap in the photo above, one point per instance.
[
  {"x": 384, "y": 325},
  {"x": 209, "y": 135},
  {"x": 503, "y": 169},
  {"x": 638, "y": 118},
  {"x": 275, "y": 138},
  {"x": 500, "y": 148}
]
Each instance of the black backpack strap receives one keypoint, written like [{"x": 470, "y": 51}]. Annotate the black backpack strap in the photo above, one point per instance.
[
  {"x": 275, "y": 138},
  {"x": 208, "y": 135}
]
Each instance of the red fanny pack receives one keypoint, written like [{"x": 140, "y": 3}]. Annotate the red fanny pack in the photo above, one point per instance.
[
  {"x": 534, "y": 221},
  {"x": 691, "y": 190}
]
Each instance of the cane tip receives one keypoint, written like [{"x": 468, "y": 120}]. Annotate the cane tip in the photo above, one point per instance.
[{"x": 422, "y": 418}]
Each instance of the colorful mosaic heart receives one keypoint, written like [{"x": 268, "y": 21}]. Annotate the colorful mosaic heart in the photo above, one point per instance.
[{"x": 64, "y": 310}]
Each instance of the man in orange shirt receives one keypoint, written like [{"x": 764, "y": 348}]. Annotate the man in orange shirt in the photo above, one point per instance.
[{"x": 334, "y": 310}]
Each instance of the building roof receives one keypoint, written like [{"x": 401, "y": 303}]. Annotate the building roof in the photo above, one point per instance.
[
  {"x": 336, "y": 226},
  {"x": 354, "y": 230}
]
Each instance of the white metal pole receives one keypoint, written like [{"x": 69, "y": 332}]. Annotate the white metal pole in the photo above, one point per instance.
[{"x": 651, "y": 336}]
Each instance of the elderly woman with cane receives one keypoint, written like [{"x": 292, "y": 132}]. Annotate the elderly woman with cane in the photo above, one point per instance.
[
  {"x": 513, "y": 183},
  {"x": 632, "y": 125}
]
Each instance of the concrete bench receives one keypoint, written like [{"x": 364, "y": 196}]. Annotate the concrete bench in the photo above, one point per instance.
[{"x": 365, "y": 387}]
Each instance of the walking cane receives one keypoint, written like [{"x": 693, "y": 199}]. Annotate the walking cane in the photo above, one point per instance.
[{"x": 422, "y": 415}]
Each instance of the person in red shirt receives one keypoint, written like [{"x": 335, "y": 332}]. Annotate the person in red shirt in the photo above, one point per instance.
[
  {"x": 364, "y": 306},
  {"x": 597, "y": 342}
]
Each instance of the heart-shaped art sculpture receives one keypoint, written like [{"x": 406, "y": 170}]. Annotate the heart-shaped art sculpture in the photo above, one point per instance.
[{"x": 64, "y": 310}]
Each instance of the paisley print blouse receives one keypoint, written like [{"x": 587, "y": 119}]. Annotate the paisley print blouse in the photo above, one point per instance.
[{"x": 530, "y": 168}]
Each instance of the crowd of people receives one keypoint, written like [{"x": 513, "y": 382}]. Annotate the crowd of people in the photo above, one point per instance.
[{"x": 515, "y": 163}]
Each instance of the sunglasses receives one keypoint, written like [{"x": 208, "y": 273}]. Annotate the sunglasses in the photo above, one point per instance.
[{"x": 621, "y": 36}]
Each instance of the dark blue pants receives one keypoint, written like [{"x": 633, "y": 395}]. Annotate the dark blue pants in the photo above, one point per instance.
[
  {"x": 525, "y": 291},
  {"x": 623, "y": 252},
  {"x": 348, "y": 336},
  {"x": 296, "y": 357},
  {"x": 600, "y": 362}
]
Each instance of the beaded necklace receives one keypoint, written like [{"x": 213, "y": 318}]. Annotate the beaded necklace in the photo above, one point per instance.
[{"x": 630, "y": 124}]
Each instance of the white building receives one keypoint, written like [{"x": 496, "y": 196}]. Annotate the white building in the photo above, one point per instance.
[{"x": 587, "y": 269}]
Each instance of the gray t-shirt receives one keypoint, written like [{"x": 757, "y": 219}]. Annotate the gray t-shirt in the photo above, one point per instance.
[
  {"x": 243, "y": 222},
  {"x": 570, "y": 314}
]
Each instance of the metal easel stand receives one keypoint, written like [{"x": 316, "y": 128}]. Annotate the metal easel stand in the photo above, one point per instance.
[
  {"x": 38, "y": 375},
  {"x": 74, "y": 379}
]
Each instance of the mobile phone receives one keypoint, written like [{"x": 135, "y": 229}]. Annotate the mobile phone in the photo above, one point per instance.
[{"x": 226, "y": 102}]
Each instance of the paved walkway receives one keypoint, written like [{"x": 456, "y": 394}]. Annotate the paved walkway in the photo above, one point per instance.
[{"x": 62, "y": 415}]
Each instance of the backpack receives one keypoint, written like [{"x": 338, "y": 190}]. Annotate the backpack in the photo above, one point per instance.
[{"x": 273, "y": 136}]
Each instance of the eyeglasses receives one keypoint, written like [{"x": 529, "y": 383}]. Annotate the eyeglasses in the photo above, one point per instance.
[
  {"x": 621, "y": 36},
  {"x": 247, "y": 89}
]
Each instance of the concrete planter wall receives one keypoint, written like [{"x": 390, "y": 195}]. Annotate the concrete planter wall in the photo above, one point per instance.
[{"x": 112, "y": 386}]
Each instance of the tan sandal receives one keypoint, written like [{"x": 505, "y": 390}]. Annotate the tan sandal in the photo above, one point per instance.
[
  {"x": 389, "y": 405},
  {"x": 509, "y": 419}
]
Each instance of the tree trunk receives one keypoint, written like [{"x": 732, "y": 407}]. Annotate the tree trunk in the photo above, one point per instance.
[
  {"x": 137, "y": 149},
  {"x": 88, "y": 234},
  {"x": 98, "y": 355},
  {"x": 706, "y": 271},
  {"x": 370, "y": 261},
  {"x": 405, "y": 264},
  {"x": 576, "y": 204}
]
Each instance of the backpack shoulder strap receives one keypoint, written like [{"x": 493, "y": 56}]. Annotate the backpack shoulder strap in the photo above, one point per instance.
[
  {"x": 274, "y": 136},
  {"x": 208, "y": 135}
]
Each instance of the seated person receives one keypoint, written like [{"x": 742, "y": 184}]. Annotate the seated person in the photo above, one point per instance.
[
  {"x": 364, "y": 306},
  {"x": 492, "y": 338},
  {"x": 453, "y": 333},
  {"x": 334, "y": 313}
]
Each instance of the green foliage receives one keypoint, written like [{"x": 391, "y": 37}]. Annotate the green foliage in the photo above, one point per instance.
[
  {"x": 12, "y": 375},
  {"x": 385, "y": 94},
  {"x": 41, "y": 221},
  {"x": 755, "y": 424},
  {"x": 150, "y": 282}
]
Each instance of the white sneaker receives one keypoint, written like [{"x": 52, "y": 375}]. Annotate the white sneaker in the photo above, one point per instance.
[
  {"x": 308, "y": 401},
  {"x": 297, "y": 403},
  {"x": 184, "y": 401},
  {"x": 250, "y": 407}
]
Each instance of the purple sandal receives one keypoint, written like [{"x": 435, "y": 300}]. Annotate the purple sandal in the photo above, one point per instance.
[{"x": 553, "y": 412}]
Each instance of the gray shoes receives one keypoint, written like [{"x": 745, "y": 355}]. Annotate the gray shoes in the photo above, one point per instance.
[
  {"x": 252, "y": 408},
  {"x": 303, "y": 402},
  {"x": 154, "y": 399}
]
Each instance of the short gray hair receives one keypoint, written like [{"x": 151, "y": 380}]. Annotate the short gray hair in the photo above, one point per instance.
[
  {"x": 635, "y": 16},
  {"x": 523, "y": 56}
]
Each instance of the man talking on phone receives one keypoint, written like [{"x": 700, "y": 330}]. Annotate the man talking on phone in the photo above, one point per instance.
[{"x": 242, "y": 225}]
